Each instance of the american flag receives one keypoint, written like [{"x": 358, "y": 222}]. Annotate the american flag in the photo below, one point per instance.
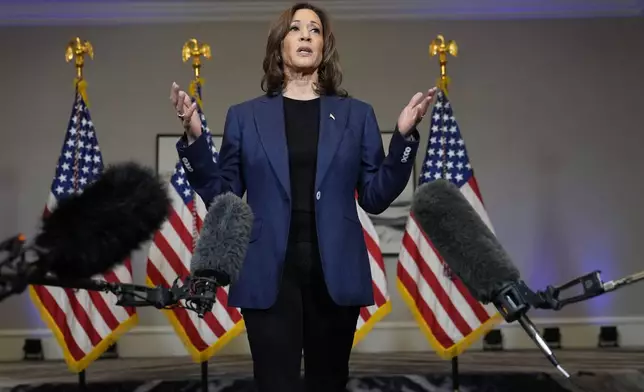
[
  {"x": 169, "y": 257},
  {"x": 447, "y": 313},
  {"x": 85, "y": 323},
  {"x": 370, "y": 315}
]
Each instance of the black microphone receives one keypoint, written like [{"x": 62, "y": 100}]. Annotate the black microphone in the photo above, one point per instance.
[
  {"x": 473, "y": 253},
  {"x": 88, "y": 233},
  {"x": 221, "y": 247},
  {"x": 92, "y": 232}
]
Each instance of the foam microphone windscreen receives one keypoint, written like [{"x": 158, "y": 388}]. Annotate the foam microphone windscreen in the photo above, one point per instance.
[
  {"x": 223, "y": 241},
  {"x": 464, "y": 241},
  {"x": 90, "y": 233}
]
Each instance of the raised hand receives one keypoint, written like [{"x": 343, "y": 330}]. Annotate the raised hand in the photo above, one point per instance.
[
  {"x": 186, "y": 111},
  {"x": 415, "y": 110}
]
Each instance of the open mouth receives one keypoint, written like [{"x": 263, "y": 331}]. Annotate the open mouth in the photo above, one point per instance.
[{"x": 304, "y": 50}]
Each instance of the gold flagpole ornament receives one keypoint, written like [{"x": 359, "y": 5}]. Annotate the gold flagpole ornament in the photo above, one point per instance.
[
  {"x": 76, "y": 50},
  {"x": 192, "y": 49},
  {"x": 441, "y": 48}
]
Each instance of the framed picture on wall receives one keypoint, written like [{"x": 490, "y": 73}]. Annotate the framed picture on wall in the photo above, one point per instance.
[
  {"x": 167, "y": 156},
  {"x": 390, "y": 224}
]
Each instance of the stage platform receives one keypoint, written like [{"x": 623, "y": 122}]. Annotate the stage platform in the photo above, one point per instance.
[{"x": 601, "y": 370}]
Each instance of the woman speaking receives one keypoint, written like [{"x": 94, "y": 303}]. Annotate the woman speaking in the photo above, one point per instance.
[{"x": 300, "y": 152}]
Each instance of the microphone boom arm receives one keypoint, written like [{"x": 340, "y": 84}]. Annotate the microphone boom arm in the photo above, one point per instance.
[
  {"x": 192, "y": 292},
  {"x": 589, "y": 286},
  {"x": 515, "y": 299},
  {"x": 132, "y": 295},
  {"x": 19, "y": 268},
  {"x": 127, "y": 294}
]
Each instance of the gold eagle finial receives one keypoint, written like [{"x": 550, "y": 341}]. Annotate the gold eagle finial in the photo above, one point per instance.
[
  {"x": 439, "y": 47},
  {"x": 76, "y": 50},
  {"x": 193, "y": 50}
]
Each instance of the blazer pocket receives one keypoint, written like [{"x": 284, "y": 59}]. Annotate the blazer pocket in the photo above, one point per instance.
[{"x": 256, "y": 230}]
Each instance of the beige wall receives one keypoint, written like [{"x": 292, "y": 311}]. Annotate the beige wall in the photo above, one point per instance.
[{"x": 551, "y": 112}]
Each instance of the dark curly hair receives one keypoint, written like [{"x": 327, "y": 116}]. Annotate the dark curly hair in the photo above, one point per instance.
[{"x": 329, "y": 71}]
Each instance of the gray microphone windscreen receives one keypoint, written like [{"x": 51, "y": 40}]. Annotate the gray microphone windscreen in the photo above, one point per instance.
[
  {"x": 223, "y": 241},
  {"x": 464, "y": 241}
]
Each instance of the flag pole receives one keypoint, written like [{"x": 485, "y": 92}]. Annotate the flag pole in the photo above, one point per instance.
[
  {"x": 441, "y": 48},
  {"x": 77, "y": 50},
  {"x": 192, "y": 49}
]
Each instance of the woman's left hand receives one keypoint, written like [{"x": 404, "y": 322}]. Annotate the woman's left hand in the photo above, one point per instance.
[{"x": 415, "y": 110}]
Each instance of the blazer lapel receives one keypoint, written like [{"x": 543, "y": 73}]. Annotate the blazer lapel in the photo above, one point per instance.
[
  {"x": 333, "y": 119},
  {"x": 269, "y": 120}
]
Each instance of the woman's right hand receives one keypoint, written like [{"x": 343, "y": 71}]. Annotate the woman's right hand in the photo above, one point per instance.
[{"x": 186, "y": 111}]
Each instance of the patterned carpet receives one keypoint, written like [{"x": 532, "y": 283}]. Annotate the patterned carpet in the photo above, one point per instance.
[{"x": 593, "y": 371}]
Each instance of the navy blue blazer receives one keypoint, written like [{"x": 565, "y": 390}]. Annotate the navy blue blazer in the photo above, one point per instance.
[{"x": 253, "y": 159}]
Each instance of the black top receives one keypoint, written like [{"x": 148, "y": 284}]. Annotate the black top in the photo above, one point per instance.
[{"x": 302, "y": 123}]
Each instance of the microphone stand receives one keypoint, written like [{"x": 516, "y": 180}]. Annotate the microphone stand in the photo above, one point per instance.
[
  {"x": 515, "y": 299},
  {"x": 128, "y": 295},
  {"x": 590, "y": 285},
  {"x": 23, "y": 266}
]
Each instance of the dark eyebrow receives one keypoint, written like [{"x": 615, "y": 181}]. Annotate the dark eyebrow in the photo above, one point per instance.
[{"x": 312, "y": 22}]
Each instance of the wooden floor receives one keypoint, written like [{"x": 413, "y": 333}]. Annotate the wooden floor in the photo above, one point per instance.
[{"x": 591, "y": 362}]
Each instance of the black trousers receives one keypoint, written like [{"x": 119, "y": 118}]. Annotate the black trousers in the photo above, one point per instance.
[{"x": 304, "y": 319}]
